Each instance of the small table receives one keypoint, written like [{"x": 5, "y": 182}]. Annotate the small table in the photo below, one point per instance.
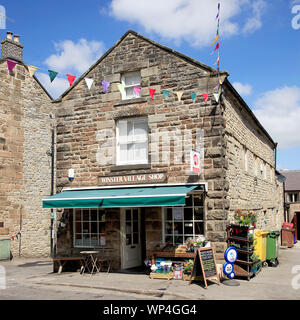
[{"x": 90, "y": 262}]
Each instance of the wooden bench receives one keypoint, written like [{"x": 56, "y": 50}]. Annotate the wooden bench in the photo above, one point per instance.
[{"x": 63, "y": 260}]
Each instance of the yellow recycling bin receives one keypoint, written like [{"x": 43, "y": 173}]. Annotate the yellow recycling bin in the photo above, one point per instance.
[{"x": 260, "y": 244}]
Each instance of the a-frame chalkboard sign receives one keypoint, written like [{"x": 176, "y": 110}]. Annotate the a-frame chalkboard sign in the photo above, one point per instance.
[{"x": 205, "y": 266}]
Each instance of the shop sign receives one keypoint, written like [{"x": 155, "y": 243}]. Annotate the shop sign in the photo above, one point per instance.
[
  {"x": 133, "y": 179},
  {"x": 195, "y": 162}
]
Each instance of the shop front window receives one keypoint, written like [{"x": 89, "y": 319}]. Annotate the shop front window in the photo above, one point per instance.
[
  {"x": 183, "y": 223},
  {"x": 89, "y": 228}
]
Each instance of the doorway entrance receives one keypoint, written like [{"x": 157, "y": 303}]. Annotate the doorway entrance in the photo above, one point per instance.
[{"x": 131, "y": 249}]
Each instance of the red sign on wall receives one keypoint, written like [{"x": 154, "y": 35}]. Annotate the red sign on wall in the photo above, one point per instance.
[{"x": 195, "y": 162}]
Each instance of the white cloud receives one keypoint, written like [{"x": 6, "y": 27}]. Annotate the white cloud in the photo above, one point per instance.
[
  {"x": 254, "y": 22},
  {"x": 279, "y": 112},
  {"x": 70, "y": 57},
  {"x": 73, "y": 56},
  {"x": 55, "y": 88},
  {"x": 243, "y": 89},
  {"x": 190, "y": 20}
]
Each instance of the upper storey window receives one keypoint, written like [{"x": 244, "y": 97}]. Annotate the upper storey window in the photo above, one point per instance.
[
  {"x": 132, "y": 141},
  {"x": 131, "y": 80}
]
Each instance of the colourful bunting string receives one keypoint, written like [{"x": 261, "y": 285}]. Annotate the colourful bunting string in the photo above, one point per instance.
[
  {"x": 151, "y": 91},
  {"x": 11, "y": 64},
  {"x": 89, "y": 82},
  {"x": 52, "y": 75},
  {"x": 105, "y": 85},
  {"x": 166, "y": 94},
  {"x": 32, "y": 70},
  {"x": 193, "y": 95},
  {"x": 137, "y": 91},
  {"x": 71, "y": 79},
  {"x": 16, "y": 235},
  {"x": 179, "y": 95},
  {"x": 205, "y": 96}
]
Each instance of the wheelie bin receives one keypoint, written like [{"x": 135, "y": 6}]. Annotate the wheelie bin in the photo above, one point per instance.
[
  {"x": 272, "y": 248},
  {"x": 260, "y": 246}
]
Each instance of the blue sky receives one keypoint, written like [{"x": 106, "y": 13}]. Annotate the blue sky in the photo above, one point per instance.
[{"x": 259, "y": 47}]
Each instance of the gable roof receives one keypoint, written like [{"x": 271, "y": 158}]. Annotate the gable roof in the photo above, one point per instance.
[
  {"x": 184, "y": 57},
  {"x": 292, "y": 182},
  {"x": 26, "y": 67},
  {"x": 188, "y": 59}
]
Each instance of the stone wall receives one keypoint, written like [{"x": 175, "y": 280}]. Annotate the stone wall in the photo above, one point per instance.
[
  {"x": 249, "y": 187},
  {"x": 83, "y": 116},
  {"x": 25, "y": 167}
]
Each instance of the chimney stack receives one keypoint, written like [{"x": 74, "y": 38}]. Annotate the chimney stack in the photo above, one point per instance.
[{"x": 11, "y": 47}]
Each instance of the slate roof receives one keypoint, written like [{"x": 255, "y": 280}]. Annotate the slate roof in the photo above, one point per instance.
[{"x": 292, "y": 182}]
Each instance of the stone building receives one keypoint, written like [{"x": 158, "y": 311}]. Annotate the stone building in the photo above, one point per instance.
[
  {"x": 292, "y": 198},
  {"x": 25, "y": 164},
  {"x": 134, "y": 187}
]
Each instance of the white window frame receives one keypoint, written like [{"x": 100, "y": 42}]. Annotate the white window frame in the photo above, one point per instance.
[
  {"x": 255, "y": 166},
  {"x": 193, "y": 221},
  {"x": 133, "y": 142},
  {"x": 246, "y": 159},
  {"x": 126, "y": 85},
  {"x": 89, "y": 221}
]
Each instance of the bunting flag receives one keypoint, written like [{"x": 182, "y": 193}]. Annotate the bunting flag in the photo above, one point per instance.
[
  {"x": 217, "y": 96},
  {"x": 32, "y": 70},
  {"x": 11, "y": 64},
  {"x": 205, "y": 96},
  {"x": 216, "y": 48},
  {"x": 137, "y": 91},
  {"x": 16, "y": 235},
  {"x": 193, "y": 95},
  {"x": 218, "y": 11},
  {"x": 179, "y": 95},
  {"x": 105, "y": 85},
  {"x": 70, "y": 79},
  {"x": 121, "y": 88},
  {"x": 166, "y": 94},
  {"x": 52, "y": 75},
  {"x": 89, "y": 82},
  {"x": 152, "y": 91},
  {"x": 216, "y": 39}
]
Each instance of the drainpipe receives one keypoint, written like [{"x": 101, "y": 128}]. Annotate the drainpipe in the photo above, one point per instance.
[{"x": 52, "y": 192}]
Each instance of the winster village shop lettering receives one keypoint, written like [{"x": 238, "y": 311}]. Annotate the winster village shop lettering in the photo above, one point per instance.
[{"x": 138, "y": 178}]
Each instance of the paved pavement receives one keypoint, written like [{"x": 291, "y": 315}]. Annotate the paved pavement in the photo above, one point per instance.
[{"x": 33, "y": 280}]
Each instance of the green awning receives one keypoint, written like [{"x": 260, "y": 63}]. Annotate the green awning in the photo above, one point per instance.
[{"x": 120, "y": 197}]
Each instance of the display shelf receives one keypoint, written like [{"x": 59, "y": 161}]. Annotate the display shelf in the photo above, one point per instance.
[
  {"x": 171, "y": 255},
  {"x": 243, "y": 264}
]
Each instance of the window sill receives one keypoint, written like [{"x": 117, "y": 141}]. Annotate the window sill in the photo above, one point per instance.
[
  {"x": 130, "y": 101},
  {"x": 129, "y": 167}
]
